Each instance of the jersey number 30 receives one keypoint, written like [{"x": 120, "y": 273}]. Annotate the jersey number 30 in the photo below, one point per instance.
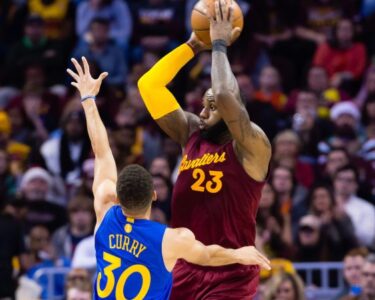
[
  {"x": 211, "y": 185},
  {"x": 115, "y": 263}
]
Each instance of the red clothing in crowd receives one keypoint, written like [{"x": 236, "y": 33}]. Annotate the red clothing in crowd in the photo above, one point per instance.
[{"x": 336, "y": 60}]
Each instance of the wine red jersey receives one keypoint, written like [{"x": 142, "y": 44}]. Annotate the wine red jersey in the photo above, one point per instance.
[{"x": 214, "y": 196}]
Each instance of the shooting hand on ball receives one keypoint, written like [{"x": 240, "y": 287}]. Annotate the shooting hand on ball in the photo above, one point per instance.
[
  {"x": 196, "y": 44},
  {"x": 221, "y": 23}
]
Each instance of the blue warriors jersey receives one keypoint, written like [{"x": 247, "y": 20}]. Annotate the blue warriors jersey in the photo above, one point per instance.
[{"x": 129, "y": 258}]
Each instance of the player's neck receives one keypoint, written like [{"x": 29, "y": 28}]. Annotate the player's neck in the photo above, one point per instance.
[{"x": 145, "y": 216}]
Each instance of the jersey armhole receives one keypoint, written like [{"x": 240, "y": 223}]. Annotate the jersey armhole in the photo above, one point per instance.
[
  {"x": 98, "y": 225},
  {"x": 161, "y": 252}
]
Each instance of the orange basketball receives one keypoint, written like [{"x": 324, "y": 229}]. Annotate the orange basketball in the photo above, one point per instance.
[{"x": 201, "y": 24}]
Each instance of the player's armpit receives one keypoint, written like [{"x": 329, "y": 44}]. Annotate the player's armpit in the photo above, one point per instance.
[
  {"x": 104, "y": 198},
  {"x": 179, "y": 125}
]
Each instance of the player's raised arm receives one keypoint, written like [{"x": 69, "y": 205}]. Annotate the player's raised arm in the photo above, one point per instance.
[
  {"x": 160, "y": 102},
  {"x": 105, "y": 176},
  {"x": 180, "y": 243},
  {"x": 252, "y": 145}
]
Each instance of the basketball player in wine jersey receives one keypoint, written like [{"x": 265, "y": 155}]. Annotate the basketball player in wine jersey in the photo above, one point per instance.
[
  {"x": 224, "y": 165},
  {"x": 134, "y": 255}
]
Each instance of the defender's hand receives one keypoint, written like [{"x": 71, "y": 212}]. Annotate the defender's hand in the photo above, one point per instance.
[
  {"x": 251, "y": 256},
  {"x": 86, "y": 85},
  {"x": 221, "y": 23}
]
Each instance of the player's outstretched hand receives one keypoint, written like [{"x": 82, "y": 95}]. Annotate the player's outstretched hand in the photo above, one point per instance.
[
  {"x": 251, "y": 256},
  {"x": 221, "y": 27},
  {"x": 86, "y": 85}
]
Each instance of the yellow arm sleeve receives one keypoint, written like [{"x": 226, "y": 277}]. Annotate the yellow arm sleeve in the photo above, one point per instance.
[{"x": 152, "y": 85}]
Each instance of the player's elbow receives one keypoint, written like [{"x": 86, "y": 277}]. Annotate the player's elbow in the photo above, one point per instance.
[{"x": 222, "y": 94}]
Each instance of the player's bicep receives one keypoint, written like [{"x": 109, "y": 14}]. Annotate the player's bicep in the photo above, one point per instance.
[
  {"x": 178, "y": 125},
  {"x": 190, "y": 249},
  {"x": 104, "y": 199}
]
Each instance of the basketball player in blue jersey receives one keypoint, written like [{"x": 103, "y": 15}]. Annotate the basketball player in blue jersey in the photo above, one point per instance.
[{"x": 135, "y": 256}]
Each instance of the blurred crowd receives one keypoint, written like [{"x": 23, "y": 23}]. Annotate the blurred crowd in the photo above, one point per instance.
[{"x": 306, "y": 69}]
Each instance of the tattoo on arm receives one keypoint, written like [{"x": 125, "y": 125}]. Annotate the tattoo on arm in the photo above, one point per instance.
[
  {"x": 243, "y": 124},
  {"x": 246, "y": 127}
]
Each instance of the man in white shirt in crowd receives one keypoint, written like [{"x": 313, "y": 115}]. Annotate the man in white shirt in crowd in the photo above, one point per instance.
[{"x": 360, "y": 211}]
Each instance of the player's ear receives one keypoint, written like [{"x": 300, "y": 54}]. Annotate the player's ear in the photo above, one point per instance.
[{"x": 154, "y": 196}]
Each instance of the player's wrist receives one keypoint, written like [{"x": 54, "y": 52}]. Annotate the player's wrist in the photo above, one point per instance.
[
  {"x": 219, "y": 45},
  {"x": 87, "y": 97}
]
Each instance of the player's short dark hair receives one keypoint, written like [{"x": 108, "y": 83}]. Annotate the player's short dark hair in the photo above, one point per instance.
[{"x": 135, "y": 188}]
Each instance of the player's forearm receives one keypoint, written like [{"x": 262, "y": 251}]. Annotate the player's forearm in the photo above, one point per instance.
[
  {"x": 222, "y": 77},
  {"x": 166, "y": 68},
  {"x": 158, "y": 99},
  {"x": 95, "y": 127},
  {"x": 219, "y": 256}
]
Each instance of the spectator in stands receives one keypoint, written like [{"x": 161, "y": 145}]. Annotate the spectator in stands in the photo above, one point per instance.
[
  {"x": 347, "y": 131},
  {"x": 286, "y": 147},
  {"x": 274, "y": 228},
  {"x": 318, "y": 83},
  {"x": 18, "y": 152},
  {"x": 125, "y": 141},
  {"x": 84, "y": 256},
  {"x": 158, "y": 25},
  {"x": 290, "y": 194},
  {"x": 160, "y": 165},
  {"x": 85, "y": 186},
  {"x": 344, "y": 59},
  {"x": 285, "y": 286},
  {"x": 367, "y": 280},
  {"x": 309, "y": 126},
  {"x": 311, "y": 246},
  {"x": 337, "y": 157},
  {"x": 81, "y": 225},
  {"x": 35, "y": 47},
  {"x": 35, "y": 190},
  {"x": 270, "y": 89},
  {"x": 8, "y": 184},
  {"x": 368, "y": 87},
  {"x": 317, "y": 18},
  {"x": 63, "y": 155},
  {"x": 41, "y": 255},
  {"x": 361, "y": 213},
  {"x": 78, "y": 286},
  {"x": 57, "y": 15},
  {"x": 163, "y": 188},
  {"x": 353, "y": 263},
  {"x": 106, "y": 55},
  {"x": 12, "y": 246},
  {"x": 40, "y": 112},
  {"x": 337, "y": 228},
  {"x": 117, "y": 11}
]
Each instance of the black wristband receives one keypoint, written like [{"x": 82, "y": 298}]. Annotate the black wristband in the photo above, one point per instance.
[{"x": 219, "y": 45}]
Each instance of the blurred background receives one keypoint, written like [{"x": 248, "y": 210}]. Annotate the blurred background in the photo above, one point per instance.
[{"x": 307, "y": 71}]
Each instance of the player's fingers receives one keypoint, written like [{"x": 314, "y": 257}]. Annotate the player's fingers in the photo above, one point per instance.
[
  {"x": 235, "y": 33},
  {"x": 78, "y": 67},
  {"x": 217, "y": 10},
  {"x": 230, "y": 13},
  {"x": 74, "y": 84},
  {"x": 264, "y": 261},
  {"x": 74, "y": 75},
  {"x": 86, "y": 65},
  {"x": 223, "y": 10},
  {"x": 102, "y": 76}
]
